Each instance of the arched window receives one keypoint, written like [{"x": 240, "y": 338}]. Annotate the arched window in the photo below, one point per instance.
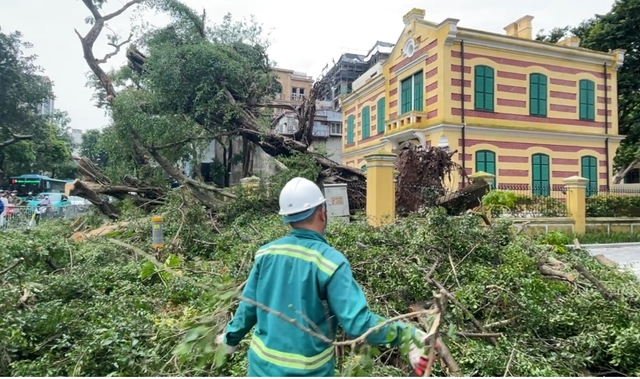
[
  {"x": 587, "y": 100},
  {"x": 486, "y": 161},
  {"x": 589, "y": 168},
  {"x": 540, "y": 175},
  {"x": 483, "y": 88},
  {"x": 538, "y": 95}
]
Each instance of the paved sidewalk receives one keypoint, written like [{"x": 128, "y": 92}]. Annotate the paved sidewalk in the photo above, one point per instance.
[{"x": 625, "y": 254}]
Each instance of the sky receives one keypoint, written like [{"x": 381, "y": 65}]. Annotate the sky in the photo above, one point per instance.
[{"x": 305, "y": 37}]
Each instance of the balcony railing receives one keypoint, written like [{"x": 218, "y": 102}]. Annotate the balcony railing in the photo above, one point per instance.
[{"x": 297, "y": 97}]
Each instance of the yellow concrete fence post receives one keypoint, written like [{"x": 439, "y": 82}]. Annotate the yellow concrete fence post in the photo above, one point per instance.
[
  {"x": 381, "y": 189},
  {"x": 577, "y": 202}
]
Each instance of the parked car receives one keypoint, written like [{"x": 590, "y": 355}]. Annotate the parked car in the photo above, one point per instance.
[{"x": 79, "y": 203}]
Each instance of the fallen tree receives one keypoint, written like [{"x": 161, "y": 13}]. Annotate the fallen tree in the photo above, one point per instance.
[
  {"x": 168, "y": 114},
  {"x": 494, "y": 301}
]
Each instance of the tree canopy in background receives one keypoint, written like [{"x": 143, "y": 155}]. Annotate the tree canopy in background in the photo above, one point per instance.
[
  {"x": 617, "y": 29},
  {"x": 29, "y": 141}
]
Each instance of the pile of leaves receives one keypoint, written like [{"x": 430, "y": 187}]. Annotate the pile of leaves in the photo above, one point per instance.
[{"x": 110, "y": 305}]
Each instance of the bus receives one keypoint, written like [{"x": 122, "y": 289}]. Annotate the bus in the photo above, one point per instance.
[{"x": 34, "y": 184}]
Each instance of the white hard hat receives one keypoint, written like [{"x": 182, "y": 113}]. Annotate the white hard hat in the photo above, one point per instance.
[{"x": 299, "y": 195}]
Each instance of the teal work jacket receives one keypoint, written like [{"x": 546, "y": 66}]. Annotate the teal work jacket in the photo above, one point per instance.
[{"x": 303, "y": 278}]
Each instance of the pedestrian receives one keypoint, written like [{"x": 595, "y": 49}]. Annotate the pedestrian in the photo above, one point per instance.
[
  {"x": 4, "y": 204},
  {"x": 14, "y": 199},
  {"x": 301, "y": 277}
]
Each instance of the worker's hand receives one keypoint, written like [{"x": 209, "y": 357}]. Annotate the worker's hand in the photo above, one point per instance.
[
  {"x": 228, "y": 349},
  {"x": 418, "y": 359}
]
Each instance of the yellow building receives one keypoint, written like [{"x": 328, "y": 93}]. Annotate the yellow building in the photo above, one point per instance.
[{"x": 529, "y": 112}]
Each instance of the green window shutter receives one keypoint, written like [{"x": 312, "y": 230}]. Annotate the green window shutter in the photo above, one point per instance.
[
  {"x": 366, "y": 122},
  {"x": 540, "y": 175},
  {"x": 589, "y": 168},
  {"x": 538, "y": 95},
  {"x": 591, "y": 101},
  {"x": 418, "y": 91},
  {"x": 587, "y": 100},
  {"x": 350, "y": 129},
  {"x": 381, "y": 115},
  {"x": 483, "y": 88},
  {"x": 486, "y": 161},
  {"x": 405, "y": 95}
]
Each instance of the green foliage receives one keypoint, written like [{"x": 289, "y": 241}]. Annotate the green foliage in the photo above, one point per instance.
[
  {"x": 554, "y": 35},
  {"x": 501, "y": 202},
  {"x": 22, "y": 91},
  {"x": 93, "y": 147},
  {"x": 613, "y": 206},
  {"x": 198, "y": 79},
  {"x": 96, "y": 309},
  {"x": 561, "y": 239},
  {"x": 617, "y": 29}
]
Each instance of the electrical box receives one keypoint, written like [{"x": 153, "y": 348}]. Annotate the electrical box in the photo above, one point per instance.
[{"x": 337, "y": 202}]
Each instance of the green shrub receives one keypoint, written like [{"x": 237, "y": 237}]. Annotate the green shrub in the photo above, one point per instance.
[
  {"x": 501, "y": 202},
  {"x": 613, "y": 206}
]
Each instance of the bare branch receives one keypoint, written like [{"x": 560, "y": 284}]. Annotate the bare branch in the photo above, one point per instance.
[
  {"x": 90, "y": 38},
  {"x": 121, "y": 10},
  {"x": 14, "y": 265},
  {"x": 115, "y": 51}
]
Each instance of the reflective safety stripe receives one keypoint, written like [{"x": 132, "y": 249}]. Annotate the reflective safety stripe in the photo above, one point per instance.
[
  {"x": 303, "y": 253},
  {"x": 289, "y": 360}
]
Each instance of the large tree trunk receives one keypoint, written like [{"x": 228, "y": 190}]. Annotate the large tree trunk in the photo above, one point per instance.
[
  {"x": 140, "y": 151},
  {"x": 619, "y": 176}
]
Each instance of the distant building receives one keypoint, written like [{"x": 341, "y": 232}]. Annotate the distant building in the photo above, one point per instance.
[
  {"x": 349, "y": 68},
  {"x": 76, "y": 136},
  {"x": 47, "y": 106},
  {"x": 295, "y": 87}
]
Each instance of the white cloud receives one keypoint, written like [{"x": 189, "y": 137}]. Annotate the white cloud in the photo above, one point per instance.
[{"x": 306, "y": 38}]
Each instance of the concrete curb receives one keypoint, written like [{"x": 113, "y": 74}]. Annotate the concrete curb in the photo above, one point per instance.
[{"x": 608, "y": 245}]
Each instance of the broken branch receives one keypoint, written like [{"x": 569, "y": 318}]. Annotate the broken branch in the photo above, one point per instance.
[{"x": 14, "y": 265}]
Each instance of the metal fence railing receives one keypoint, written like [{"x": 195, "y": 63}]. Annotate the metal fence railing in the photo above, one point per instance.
[
  {"x": 526, "y": 201},
  {"x": 27, "y": 216}
]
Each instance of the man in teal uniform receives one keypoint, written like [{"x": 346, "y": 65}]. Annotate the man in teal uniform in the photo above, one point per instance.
[{"x": 303, "y": 278}]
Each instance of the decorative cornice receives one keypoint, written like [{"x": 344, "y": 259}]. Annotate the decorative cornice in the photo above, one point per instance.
[
  {"x": 453, "y": 30},
  {"x": 520, "y": 45},
  {"x": 365, "y": 150},
  {"x": 529, "y": 134},
  {"x": 619, "y": 54}
]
